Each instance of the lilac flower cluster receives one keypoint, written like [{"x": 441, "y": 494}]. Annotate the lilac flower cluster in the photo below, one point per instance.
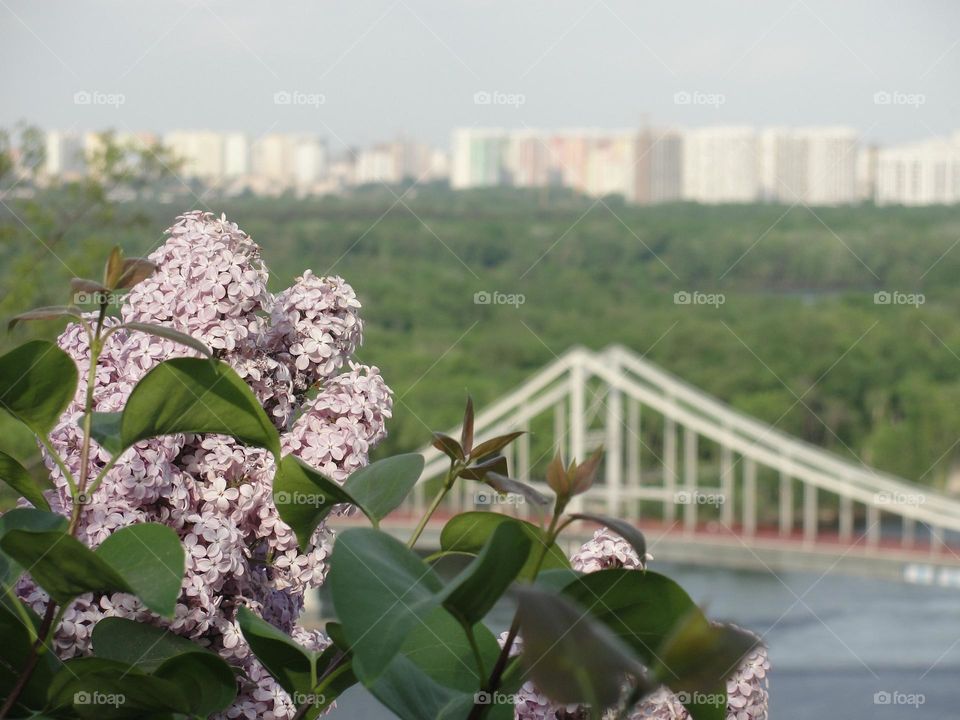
[
  {"x": 216, "y": 493},
  {"x": 747, "y": 695}
]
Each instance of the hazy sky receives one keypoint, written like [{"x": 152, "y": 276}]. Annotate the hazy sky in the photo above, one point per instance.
[{"x": 362, "y": 70}]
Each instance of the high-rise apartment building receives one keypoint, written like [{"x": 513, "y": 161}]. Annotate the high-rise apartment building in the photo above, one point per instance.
[
  {"x": 922, "y": 173},
  {"x": 720, "y": 165}
]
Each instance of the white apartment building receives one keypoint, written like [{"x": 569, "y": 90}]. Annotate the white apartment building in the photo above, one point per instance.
[
  {"x": 720, "y": 165},
  {"x": 236, "y": 155},
  {"x": 921, "y": 173},
  {"x": 202, "y": 152},
  {"x": 814, "y": 166},
  {"x": 610, "y": 165},
  {"x": 478, "y": 157},
  {"x": 65, "y": 155},
  {"x": 657, "y": 166},
  {"x": 309, "y": 161}
]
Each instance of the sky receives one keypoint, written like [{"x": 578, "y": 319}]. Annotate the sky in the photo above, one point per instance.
[{"x": 359, "y": 71}]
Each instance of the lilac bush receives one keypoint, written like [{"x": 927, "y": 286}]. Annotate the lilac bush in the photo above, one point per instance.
[{"x": 216, "y": 493}]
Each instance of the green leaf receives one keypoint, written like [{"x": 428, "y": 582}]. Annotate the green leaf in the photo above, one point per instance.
[
  {"x": 168, "y": 333},
  {"x": 469, "y": 532},
  {"x": 135, "y": 643},
  {"x": 24, "y": 519},
  {"x": 697, "y": 658},
  {"x": 95, "y": 688},
  {"x": 51, "y": 312},
  {"x": 624, "y": 529},
  {"x": 472, "y": 594},
  {"x": 571, "y": 657},
  {"x": 17, "y": 477},
  {"x": 61, "y": 564},
  {"x": 290, "y": 664},
  {"x": 105, "y": 429},
  {"x": 196, "y": 396},
  {"x": 642, "y": 608},
  {"x": 304, "y": 497},
  {"x": 150, "y": 558},
  {"x": 205, "y": 679},
  {"x": 381, "y": 590},
  {"x": 37, "y": 382},
  {"x": 435, "y": 670},
  {"x": 146, "y": 560},
  {"x": 494, "y": 445},
  {"x": 379, "y": 488}
]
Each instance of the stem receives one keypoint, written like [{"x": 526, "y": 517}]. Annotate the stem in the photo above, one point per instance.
[
  {"x": 32, "y": 659},
  {"x": 21, "y": 611},
  {"x": 68, "y": 476},
  {"x": 332, "y": 673},
  {"x": 476, "y": 650},
  {"x": 447, "y": 484},
  {"x": 80, "y": 499},
  {"x": 494, "y": 682}
]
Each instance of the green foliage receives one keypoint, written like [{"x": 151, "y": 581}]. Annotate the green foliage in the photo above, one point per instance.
[
  {"x": 17, "y": 477},
  {"x": 194, "y": 395},
  {"x": 146, "y": 560},
  {"x": 381, "y": 590},
  {"x": 470, "y": 531},
  {"x": 380, "y": 487},
  {"x": 37, "y": 382},
  {"x": 557, "y": 637}
]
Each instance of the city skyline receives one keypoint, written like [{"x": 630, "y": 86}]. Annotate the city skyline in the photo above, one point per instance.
[{"x": 820, "y": 165}]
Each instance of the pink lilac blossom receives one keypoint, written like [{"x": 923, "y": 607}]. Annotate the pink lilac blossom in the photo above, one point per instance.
[
  {"x": 747, "y": 688},
  {"x": 215, "y": 492}
]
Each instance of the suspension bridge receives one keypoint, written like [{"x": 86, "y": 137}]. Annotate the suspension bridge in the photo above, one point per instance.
[{"x": 706, "y": 483}]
